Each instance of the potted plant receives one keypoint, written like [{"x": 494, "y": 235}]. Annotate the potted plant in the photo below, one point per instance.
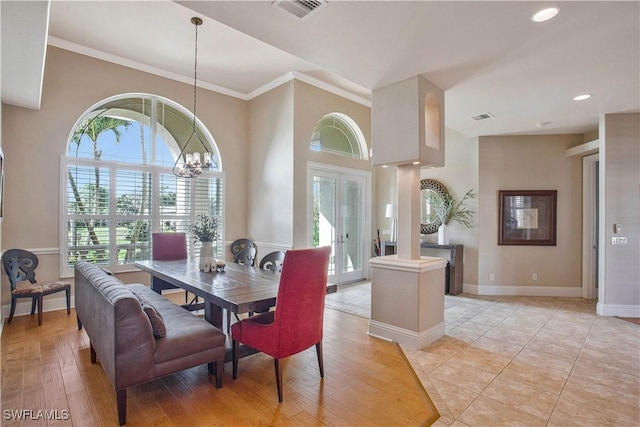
[
  {"x": 205, "y": 230},
  {"x": 447, "y": 209}
]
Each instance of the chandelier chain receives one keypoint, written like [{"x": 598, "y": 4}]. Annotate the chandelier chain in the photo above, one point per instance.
[
  {"x": 192, "y": 164},
  {"x": 195, "y": 77}
]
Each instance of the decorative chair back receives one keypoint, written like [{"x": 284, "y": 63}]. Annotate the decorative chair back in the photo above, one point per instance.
[
  {"x": 272, "y": 261},
  {"x": 247, "y": 256},
  {"x": 169, "y": 246},
  {"x": 20, "y": 265},
  {"x": 241, "y": 244}
]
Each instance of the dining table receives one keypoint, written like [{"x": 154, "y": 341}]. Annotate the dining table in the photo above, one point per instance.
[{"x": 238, "y": 288}]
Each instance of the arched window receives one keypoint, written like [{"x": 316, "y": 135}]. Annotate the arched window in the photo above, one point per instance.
[
  {"x": 337, "y": 133},
  {"x": 119, "y": 183}
]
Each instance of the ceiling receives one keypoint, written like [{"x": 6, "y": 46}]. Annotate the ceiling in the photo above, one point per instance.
[{"x": 488, "y": 57}]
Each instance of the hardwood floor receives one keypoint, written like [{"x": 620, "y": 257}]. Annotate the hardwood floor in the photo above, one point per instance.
[{"x": 367, "y": 382}]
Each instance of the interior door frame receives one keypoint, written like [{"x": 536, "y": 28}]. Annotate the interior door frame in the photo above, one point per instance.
[
  {"x": 590, "y": 247},
  {"x": 366, "y": 220}
]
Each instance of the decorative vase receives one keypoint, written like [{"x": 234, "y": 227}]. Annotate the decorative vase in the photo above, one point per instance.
[
  {"x": 206, "y": 253},
  {"x": 443, "y": 235}
]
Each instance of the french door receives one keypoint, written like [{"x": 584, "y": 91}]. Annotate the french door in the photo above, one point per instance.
[{"x": 339, "y": 219}]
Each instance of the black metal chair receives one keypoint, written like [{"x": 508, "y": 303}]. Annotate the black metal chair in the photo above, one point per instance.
[
  {"x": 246, "y": 256},
  {"x": 272, "y": 261},
  {"x": 240, "y": 244},
  {"x": 20, "y": 266}
]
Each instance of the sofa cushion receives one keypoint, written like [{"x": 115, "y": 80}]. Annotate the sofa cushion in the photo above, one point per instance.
[
  {"x": 187, "y": 334},
  {"x": 157, "y": 322}
]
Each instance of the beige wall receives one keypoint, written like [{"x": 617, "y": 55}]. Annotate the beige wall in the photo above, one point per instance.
[
  {"x": 270, "y": 190},
  {"x": 35, "y": 140},
  {"x": 489, "y": 164},
  {"x": 530, "y": 163},
  {"x": 619, "y": 292},
  {"x": 459, "y": 175},
  {"x": 310, "y": 105},
  {"x": 281, "y": 122}
]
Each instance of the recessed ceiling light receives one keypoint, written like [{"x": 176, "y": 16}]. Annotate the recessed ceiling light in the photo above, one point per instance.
[
  {"x": 582, "y": 97},
  {"x": 544, "y": 14},
  {"x": 542, "y": 124}
]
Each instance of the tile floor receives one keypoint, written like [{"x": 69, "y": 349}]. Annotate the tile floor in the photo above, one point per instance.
[{"x": 526, "y": 361}]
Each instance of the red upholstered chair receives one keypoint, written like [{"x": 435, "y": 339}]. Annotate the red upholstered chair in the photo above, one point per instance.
[
  {"x": 169, "y": 246},
  {"x": 297, "y": 321}
]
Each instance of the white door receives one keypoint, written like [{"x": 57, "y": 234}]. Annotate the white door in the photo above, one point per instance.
[{"x": 338, "y": 219}]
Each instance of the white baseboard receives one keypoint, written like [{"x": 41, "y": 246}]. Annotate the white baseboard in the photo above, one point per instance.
[
  {"x": 529, "y": 291},
  {"x": 405, "y": 337},
  {"x": 618, "y": 310},
  {"x": 23, "y": 307},
  {"x": 51, "y": 303}
]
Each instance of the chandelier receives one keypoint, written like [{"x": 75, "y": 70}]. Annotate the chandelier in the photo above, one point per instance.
[{"x": 190, "y": 165}]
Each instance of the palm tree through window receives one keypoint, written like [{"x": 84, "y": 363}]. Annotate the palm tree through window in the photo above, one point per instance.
[{"x": 119, "y": 185}]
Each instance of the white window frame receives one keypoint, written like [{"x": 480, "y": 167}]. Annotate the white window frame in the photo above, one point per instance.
[{"x": 153, "y": 217}]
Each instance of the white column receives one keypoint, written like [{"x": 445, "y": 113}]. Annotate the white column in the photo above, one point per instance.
[{"x": 408, "y": 244}]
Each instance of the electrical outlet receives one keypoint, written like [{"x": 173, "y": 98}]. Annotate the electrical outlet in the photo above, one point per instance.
[
  {"x": 618, "y": 240},
  {"x": 492, "y": 277},
  {"x": 534, "y": 276}
]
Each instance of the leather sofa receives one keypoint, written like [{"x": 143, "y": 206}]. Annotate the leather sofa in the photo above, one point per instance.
[{"x": 138, "y": 335}]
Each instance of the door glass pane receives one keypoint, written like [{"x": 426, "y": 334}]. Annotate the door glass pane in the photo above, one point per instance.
[
  {"x": 351, "y": 207},
  {"x": 324, "y": 215}
]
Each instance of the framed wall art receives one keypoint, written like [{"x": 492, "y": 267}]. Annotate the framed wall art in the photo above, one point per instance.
[{"x": 527, "y": 217}]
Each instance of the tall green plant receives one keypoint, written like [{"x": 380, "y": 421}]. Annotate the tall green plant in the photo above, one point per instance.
[
  {"x": 205, "y": 229},
  {"x": 447, "y": 209}
]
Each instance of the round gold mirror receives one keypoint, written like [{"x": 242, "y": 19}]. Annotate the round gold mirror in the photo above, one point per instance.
[{"x": 430, "y": 189}]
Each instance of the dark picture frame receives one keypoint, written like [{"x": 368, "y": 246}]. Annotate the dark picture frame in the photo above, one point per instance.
[{"x": 527, "y": 217}]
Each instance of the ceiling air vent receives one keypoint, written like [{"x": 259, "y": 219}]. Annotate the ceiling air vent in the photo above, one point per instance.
[
  {"x": 299, "y": 8},
  {"x": 483, "y": 116}
]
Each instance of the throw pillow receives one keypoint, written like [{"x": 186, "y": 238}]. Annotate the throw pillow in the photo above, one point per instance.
[{"x": 157, "y": 322}]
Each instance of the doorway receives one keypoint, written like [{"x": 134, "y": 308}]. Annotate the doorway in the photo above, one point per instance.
[
  {"x": 339, "y": 217},
  {"x": 590, "y": 220}
]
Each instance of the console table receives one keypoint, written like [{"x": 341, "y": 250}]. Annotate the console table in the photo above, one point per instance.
[
  {"x": 455, "y": 264},
  {"x": 455, "y": 273}
]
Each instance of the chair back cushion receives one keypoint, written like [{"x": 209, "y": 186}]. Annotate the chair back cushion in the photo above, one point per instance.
[
  {"x": 169, "y": 246},
  {"x": 300, "y": 304},
  {"x": 20, "y": 265}
]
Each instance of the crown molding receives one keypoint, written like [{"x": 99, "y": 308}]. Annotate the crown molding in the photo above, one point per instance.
[
  {"x": 297, "y": 75},
  {"x": 292, "y": 75},
  {"x": 98, "y": 54}
]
